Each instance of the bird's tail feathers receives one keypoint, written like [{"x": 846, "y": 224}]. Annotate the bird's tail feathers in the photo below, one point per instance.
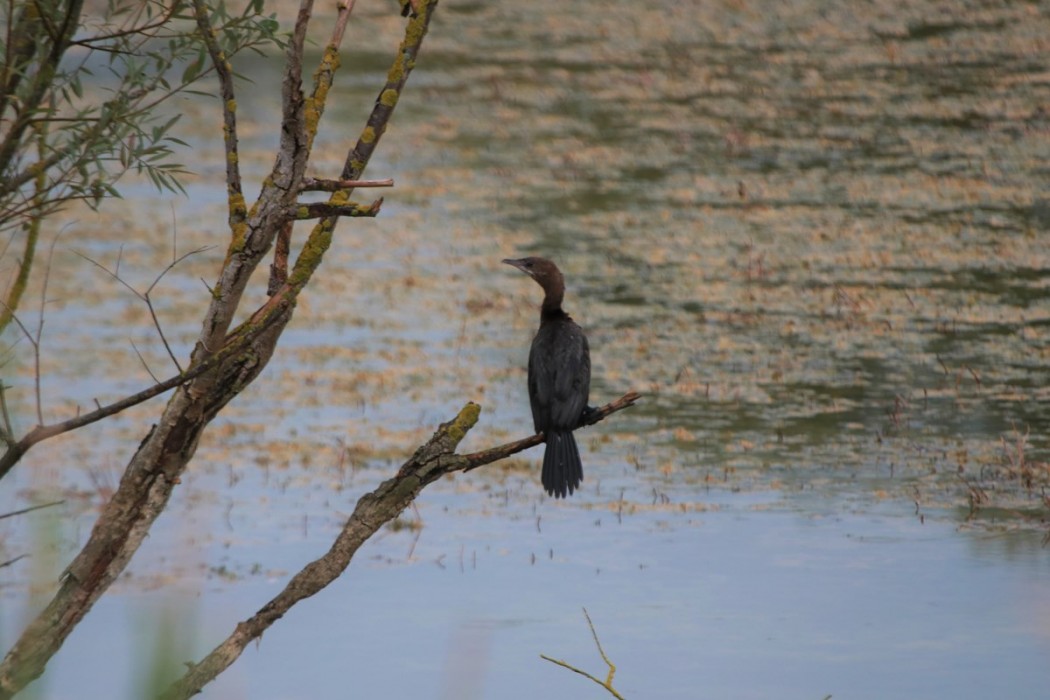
[{"x": 562, "y": 469}]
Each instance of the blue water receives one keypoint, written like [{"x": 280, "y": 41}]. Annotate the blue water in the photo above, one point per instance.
[{"x": 748, "y": 599}]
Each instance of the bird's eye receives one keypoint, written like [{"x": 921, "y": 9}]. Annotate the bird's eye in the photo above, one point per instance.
[{"x": 528, "y": 263}]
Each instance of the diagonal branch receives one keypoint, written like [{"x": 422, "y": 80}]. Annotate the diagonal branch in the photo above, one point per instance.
[
  {"x": 391, "y": 92},
  {"x": 480, "y": 459},
  {"x": 320, "y": 237},
  {"x": 30, "y": 509},
  {"x": 253, "y": 238},
  {"x": 431, "y": 461},
  {"x": 301, "y": 117},
  {"x": 373, "y": 510},
  {"x": 238, "y": 211},
  {"x": 238, "y": 342}
]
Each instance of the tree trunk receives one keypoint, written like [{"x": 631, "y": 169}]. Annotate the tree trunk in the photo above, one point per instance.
[{"x": 146, "y": 487}]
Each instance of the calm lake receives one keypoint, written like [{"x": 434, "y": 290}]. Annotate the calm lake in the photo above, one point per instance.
[{"x": 812, "y": 234}]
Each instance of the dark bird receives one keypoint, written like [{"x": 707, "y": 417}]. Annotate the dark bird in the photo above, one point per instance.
[{"x": 559, "y": 379}]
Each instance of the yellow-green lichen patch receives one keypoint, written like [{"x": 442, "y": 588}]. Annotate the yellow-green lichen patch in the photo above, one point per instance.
[
  {"x": 312, "y": 254},
  {"x": 238, "y": 207},
  {"x": 461, "y": 424}
]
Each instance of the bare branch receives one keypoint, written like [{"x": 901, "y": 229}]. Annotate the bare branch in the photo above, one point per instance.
[
  {"x": 429, "y": 463},
  {"x": 149, "y": 302},
  {"x": 324, "y": 210},
  {"x": 238, "y": 211},
  {"x": 145, "y": 366},
  {"x": 320, "y": 237},
  {"x": 311, "y": 184},
  {"x": 9, "y": 562},
  {"x": 144, "y": 296},
  {"x": 237, "y": 343},
  {"x": 160, "y": 332},
  {"x": 40, "y": 333},
  {"x": 345, "y": 8},
  {"x": 373, "y": 510},
  {"x": 174, "y": 233},
  {"x": 115, "y": 273},
  {"x": 22, "y": 327},
  {"x": 607, "y": 683},
  {"x": 92, "y": 42},
  {"x": 480, "y": 459},
  {"x": 30, "y": 509}
]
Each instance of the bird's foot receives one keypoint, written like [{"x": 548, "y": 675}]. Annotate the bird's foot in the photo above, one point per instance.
[{"x": 589, "y": 415}]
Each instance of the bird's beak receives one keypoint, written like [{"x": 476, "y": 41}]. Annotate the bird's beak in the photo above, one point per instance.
[{"x": 520, "y": 264}]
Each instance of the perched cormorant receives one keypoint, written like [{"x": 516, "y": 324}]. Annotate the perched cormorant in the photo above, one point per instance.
[{"x": 559, "y": 379}]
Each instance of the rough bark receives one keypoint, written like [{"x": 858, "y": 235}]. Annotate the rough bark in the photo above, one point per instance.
[{"x": 143, "y": 493}]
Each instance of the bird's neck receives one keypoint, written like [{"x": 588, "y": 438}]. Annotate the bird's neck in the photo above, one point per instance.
[
  {"x": 553, "y": 316},
  {"x": 551, "y": 307},
  {"x": 553, "y": 289}
]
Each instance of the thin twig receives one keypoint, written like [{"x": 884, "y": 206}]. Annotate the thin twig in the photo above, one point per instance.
[
  {"x": 607, "y": 683},
  {"x": 145, "y": 296},
  {"x": 143, "y": 361},
  {"x": 30, "y": 509},
  {"x": 149, "y": 302},
  {"x": 597, "y": 643},
  {"x": 418, "y": 527},
  {"x": 40, "y": 332},
  {"x": 236, "y": 344},
  {"x": 160, "y": 332},
  {"x": 174, "y": 233},
  {"x": 9, "y": 562},
  {"x": 90, "y": 41},
  {"x": 22, "y": 327},
  {"x": 346, "y": 7},
  {"x": 115, "y": 274}
]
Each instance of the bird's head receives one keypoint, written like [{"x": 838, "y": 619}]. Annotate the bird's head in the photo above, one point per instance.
[
  {"x": 540, "y": 269},
  {"x": 548, "y": 276}
]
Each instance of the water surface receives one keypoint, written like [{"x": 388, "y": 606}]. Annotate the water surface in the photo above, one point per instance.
[{"x": 813, "y": 235}]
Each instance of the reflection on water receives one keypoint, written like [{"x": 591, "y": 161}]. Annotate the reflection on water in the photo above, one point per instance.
[{"x": 815, "y": 237}]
